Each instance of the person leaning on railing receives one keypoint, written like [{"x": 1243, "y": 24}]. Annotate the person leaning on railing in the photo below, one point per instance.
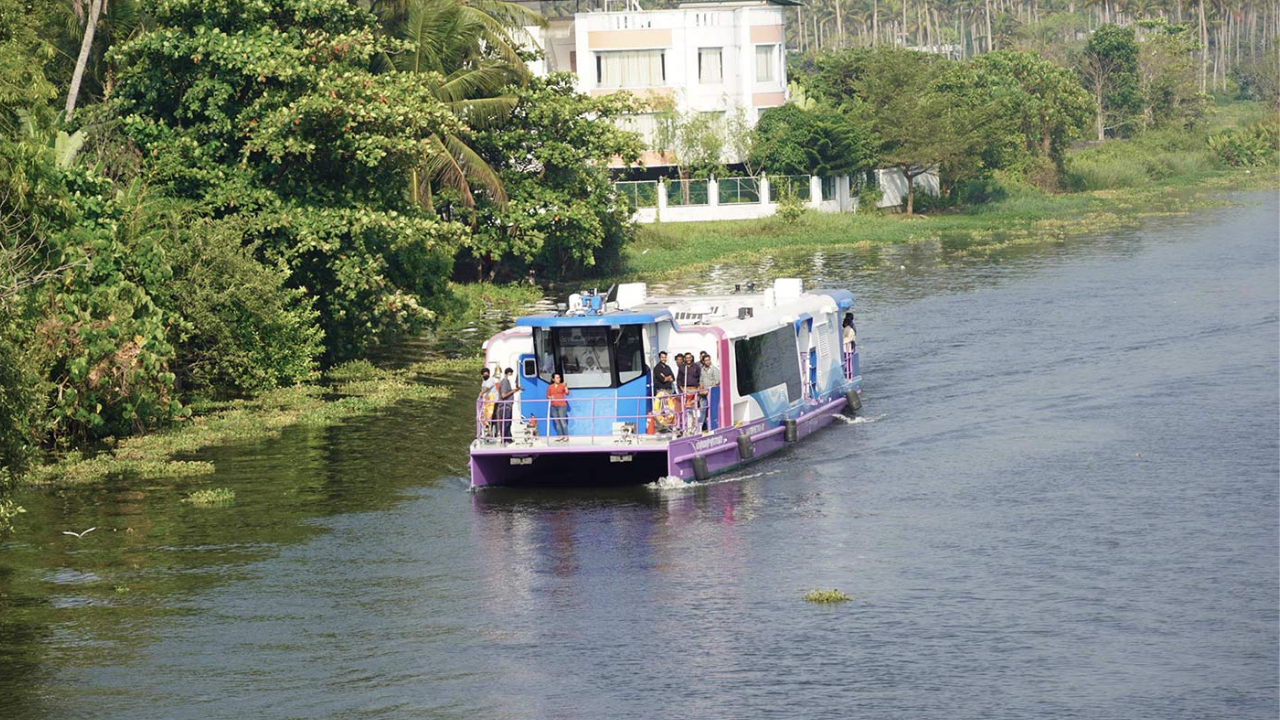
[{"x": 710, "y": 379}]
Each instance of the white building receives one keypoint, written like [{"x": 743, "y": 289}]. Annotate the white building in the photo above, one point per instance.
[{"x": 723, "y": 57}]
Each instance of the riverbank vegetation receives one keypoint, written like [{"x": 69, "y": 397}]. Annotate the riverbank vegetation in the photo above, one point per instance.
[
  {"x": 1112, "y": 185},
  {"x": 347, "y": 390},
  {"x": 203, "y": 201}
]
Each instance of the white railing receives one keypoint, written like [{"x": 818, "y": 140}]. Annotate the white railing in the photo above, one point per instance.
[{"x": 597, "y": 421}]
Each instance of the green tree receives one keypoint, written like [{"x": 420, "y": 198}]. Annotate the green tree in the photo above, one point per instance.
[
  {"x": 1108, "y": 68},
  {"x": 467, "y": 53},
  {"x": 1259, "y": 79},
  {"x": 268, "y": 109},
  {"x": 920, "y": 126},
  {"x": 1167, "y": 76},
  {"x": 563, "y": 218},
  {"x": 1042, "y": 104},
  {"x": 816, "y": 141},
  {"x": 696, "y": 142},
  {"x": 235, "y": 325},
  {"x": 102, "y": 337}
]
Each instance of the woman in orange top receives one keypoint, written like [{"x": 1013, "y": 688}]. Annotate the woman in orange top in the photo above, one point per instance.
[{"x": 557, "y": 391}]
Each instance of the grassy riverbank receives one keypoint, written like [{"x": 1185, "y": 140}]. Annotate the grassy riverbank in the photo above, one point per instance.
[
  {"x": 348, "y": 390},
  {"x": 1117, "y": 184}
]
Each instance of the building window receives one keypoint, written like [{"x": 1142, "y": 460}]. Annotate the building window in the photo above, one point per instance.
[
  {"x": 766, "y": 63},
  {"x": 710, "y": 66},
  {"x": 631, "y": 69},
  {"x": 644, "y": 124}
]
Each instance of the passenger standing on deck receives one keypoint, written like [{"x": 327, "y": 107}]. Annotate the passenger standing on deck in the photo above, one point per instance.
[
  {"x": 710, "y": 379},
  {"x": 850, "y": 334},
  {"x": 485, "y": 401},
  {"x": 506, "y": 395},
  {"x": 689, "y": 377},
  {"x": 557, "y": 391},
  {"x": 663, "y": 378}
]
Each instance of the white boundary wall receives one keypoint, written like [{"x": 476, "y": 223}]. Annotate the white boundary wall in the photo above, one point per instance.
[{"x": 892, "y": 183}]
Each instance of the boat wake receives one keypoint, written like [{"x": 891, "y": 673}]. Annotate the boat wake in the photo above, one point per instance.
[
  {"x": 670, "y": 482},
  {"x": 856, "y": 420}
]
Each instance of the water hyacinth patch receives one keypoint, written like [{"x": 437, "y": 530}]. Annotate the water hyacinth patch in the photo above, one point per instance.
[
  {"x": 827, "y": 596},
  {"x": 211, "y": 497}
]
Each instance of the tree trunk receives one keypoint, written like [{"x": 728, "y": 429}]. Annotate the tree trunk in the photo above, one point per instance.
[
  {"x": 991, "y": 43},
  {"x": 1101, "y": 126},
  {"x": 875, "y": 22},
  {"x": 85, "y": 45},
  {"x": 839, "y": 23},
  {"x": 804, "y": 46},
  {"x": 1204, "y": 49},
  {"x": 911, "y": 192}
]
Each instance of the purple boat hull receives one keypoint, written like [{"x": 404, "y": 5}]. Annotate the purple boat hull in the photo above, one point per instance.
[{"x": 691, "y": 458}]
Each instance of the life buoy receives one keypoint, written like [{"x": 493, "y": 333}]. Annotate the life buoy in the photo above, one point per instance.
[{"x": 664, "y": 409}]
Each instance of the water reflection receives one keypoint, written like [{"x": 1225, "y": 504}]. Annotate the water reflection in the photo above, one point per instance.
[{"x": 527, "y": 540}]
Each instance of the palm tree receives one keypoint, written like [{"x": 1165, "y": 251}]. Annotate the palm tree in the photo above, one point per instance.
[
  {"x": 94, "y": 25},
  {"x": 467, "y": 51}
]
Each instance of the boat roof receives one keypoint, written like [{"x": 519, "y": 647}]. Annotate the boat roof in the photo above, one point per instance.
[
  {"x": 639, "y": 316},
  {"x": 720, "y": 311}
]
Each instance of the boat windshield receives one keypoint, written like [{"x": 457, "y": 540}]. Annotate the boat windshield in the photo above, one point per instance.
[{"x": 590, "y": 357}]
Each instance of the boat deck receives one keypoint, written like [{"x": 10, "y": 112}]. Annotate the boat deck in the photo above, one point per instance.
[{"x": 578, "y": 443}]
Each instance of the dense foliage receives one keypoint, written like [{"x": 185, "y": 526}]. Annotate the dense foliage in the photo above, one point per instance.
[
  {"x": 245, "y": 190},
  {"x": 821, "y": 140},
  {"x": 1253, "y": 146},
  {"x": 270, "y": 111},
  {"x": 552, "y": 153}
]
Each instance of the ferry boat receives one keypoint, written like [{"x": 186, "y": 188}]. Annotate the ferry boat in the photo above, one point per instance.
[{"x": 783, "y": 369}]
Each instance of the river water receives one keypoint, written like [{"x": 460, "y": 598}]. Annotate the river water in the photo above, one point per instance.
[{"x": 1061, "y": 503}]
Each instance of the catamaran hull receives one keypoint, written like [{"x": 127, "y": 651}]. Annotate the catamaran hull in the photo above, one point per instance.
[{"x": 691, "y": 459}]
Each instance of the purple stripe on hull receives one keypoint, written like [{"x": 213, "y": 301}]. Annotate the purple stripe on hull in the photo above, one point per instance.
[
  {"x": 721, "y": 449},
  {"x": 593, "y": 465}
]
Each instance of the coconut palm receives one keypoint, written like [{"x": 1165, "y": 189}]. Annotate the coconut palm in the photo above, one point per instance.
[
  {"x": 467, "y": 51},
  {"x": 92, "y": 26}
]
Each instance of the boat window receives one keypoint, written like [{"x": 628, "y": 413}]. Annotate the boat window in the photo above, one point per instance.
[
  {"x": 545, "y": 353},
  {"x": 767, "y": 361},
  {"x": 588, "y": 356},
  {"x": 584, "y": 356},
  {"x": 628, "y": 344}
]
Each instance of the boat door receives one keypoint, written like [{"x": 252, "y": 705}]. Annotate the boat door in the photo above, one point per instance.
[{"x": 807, "y": 354}]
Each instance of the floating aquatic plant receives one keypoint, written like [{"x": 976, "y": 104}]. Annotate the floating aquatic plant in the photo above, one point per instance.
[
  {"x": 211, "y": 497},
  {"x": 827, "y": 596}
]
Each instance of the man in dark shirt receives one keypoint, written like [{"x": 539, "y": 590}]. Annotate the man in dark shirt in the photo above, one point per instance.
[
  {"x": 506, "y": 398},
  {"x": 689, "y": 378},
  {"x": 663, "y": 378},
  {"x": 689, "y": 374}
]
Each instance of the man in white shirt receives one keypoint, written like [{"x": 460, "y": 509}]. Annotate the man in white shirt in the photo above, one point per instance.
[{"x": 710, "y": 378}]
